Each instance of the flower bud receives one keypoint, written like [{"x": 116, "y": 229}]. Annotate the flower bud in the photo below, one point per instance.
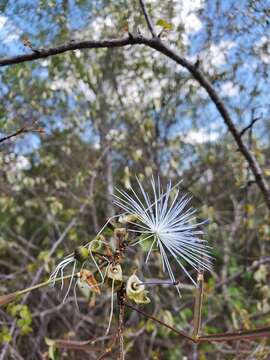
[
  {"x": 81, "y": 254},
  {"x": 126, "y": 219}
]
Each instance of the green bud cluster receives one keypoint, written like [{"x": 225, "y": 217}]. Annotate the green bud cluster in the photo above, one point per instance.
[{"x": 81, "y": 254}]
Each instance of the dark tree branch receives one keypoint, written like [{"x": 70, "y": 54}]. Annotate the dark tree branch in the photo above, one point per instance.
[
  {"x": 147, "y": 18},
  {"x": 23, "y": 130},
  {"x": 221, "y": 337},
  {"x": 179, "y": 332},
  {"x": 249, "y": 126},
  {"x": 237, "y": 335},
  {"x": 92, "y": 44},
  {"x": 15, "y": 133},
  {"x": 158, "y": 45}
]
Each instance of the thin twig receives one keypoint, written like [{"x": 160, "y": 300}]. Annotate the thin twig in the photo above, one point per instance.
[
  {"x": 249, "y": 126},
  {"x": 147, "y": 18},
  {"x": 5, "y": 299},
  {"x": 21, "y": 131},
  {"x": 198, "y": 305},
  {"x": 121, "y": 312},
  {"x": 239, "y": 335},
  {"x": 15, "y": 133},
  {"x": 179, "y": 332}
]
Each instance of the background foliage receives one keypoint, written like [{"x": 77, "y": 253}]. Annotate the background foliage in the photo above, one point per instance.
[{"x": 111, "y": 114}]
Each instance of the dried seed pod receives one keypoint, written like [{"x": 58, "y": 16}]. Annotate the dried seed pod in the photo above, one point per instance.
[{"x": 86, "y": 276}]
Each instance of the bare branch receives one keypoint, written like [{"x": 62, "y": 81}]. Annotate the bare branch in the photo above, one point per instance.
[
  {"x": 91, "y": 44},
  {"x": 221, "y": 337},
  {"x": 179, "y": 332},
  {"x": 238, "y": 335},
  {"x": 147, "y": 18},
  {"x": 15, "y": 133},
  {"x": 249, "y": 126},
  {"x": 22, "y": 130}
]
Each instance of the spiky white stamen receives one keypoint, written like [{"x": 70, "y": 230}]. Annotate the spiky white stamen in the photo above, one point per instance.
[
  {"x": 71, "y": 260},
  {"x": 169, "y": 223},
  {"x": 60, "y": 268}
]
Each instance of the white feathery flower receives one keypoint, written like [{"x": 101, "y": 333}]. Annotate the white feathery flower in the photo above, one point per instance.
[{"x": 170, "y": 224}]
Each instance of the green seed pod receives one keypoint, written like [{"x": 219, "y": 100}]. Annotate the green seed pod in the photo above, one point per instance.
[
  {"x": 136, "y": 290},
  {"x": 95, "y": 246},
  {"x": 114, "y": 277},
  {"x": 81, "y": 254},
  {"x": 115, "y": 272}
]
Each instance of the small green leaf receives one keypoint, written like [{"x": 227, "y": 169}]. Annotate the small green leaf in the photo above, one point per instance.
[
  {"x": 5, "y": 336},
  {"x": 166, "y": 25}
]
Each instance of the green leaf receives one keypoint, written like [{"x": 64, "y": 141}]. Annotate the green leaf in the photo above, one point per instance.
[
  {"x": 5, "y": 336},
  {"x": 166, "y": 25}
]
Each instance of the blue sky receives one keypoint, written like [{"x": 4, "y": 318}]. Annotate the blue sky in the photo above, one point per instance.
[{"x": 21, "y": 19}]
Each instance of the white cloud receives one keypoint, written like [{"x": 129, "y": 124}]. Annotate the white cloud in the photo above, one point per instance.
[
  {"x": 217, "y": 53},
  {"x": 228, "y": 88},
  {"x": 9, "y": 32},
  {"x": 262, "y": 48},
  {"x": 200, "y": 136},
  {"x": 22, "y": 163},
  {"x": 10, "y": 37},
  {"x": 192, "y": 23},
  {"x": 3, "y": 20},
  {"x": 185, "y": 14}
]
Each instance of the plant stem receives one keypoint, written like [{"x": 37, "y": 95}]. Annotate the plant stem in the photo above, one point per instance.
[
  {"x": 43, "y": 284},
  {"x": 120, "y": 234},
  {"x": 198, "y": 306},
  {"x": 121, "y": 311},
  {"x": 7, "y": 298},
  {"x": 179, "y": 332}
]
